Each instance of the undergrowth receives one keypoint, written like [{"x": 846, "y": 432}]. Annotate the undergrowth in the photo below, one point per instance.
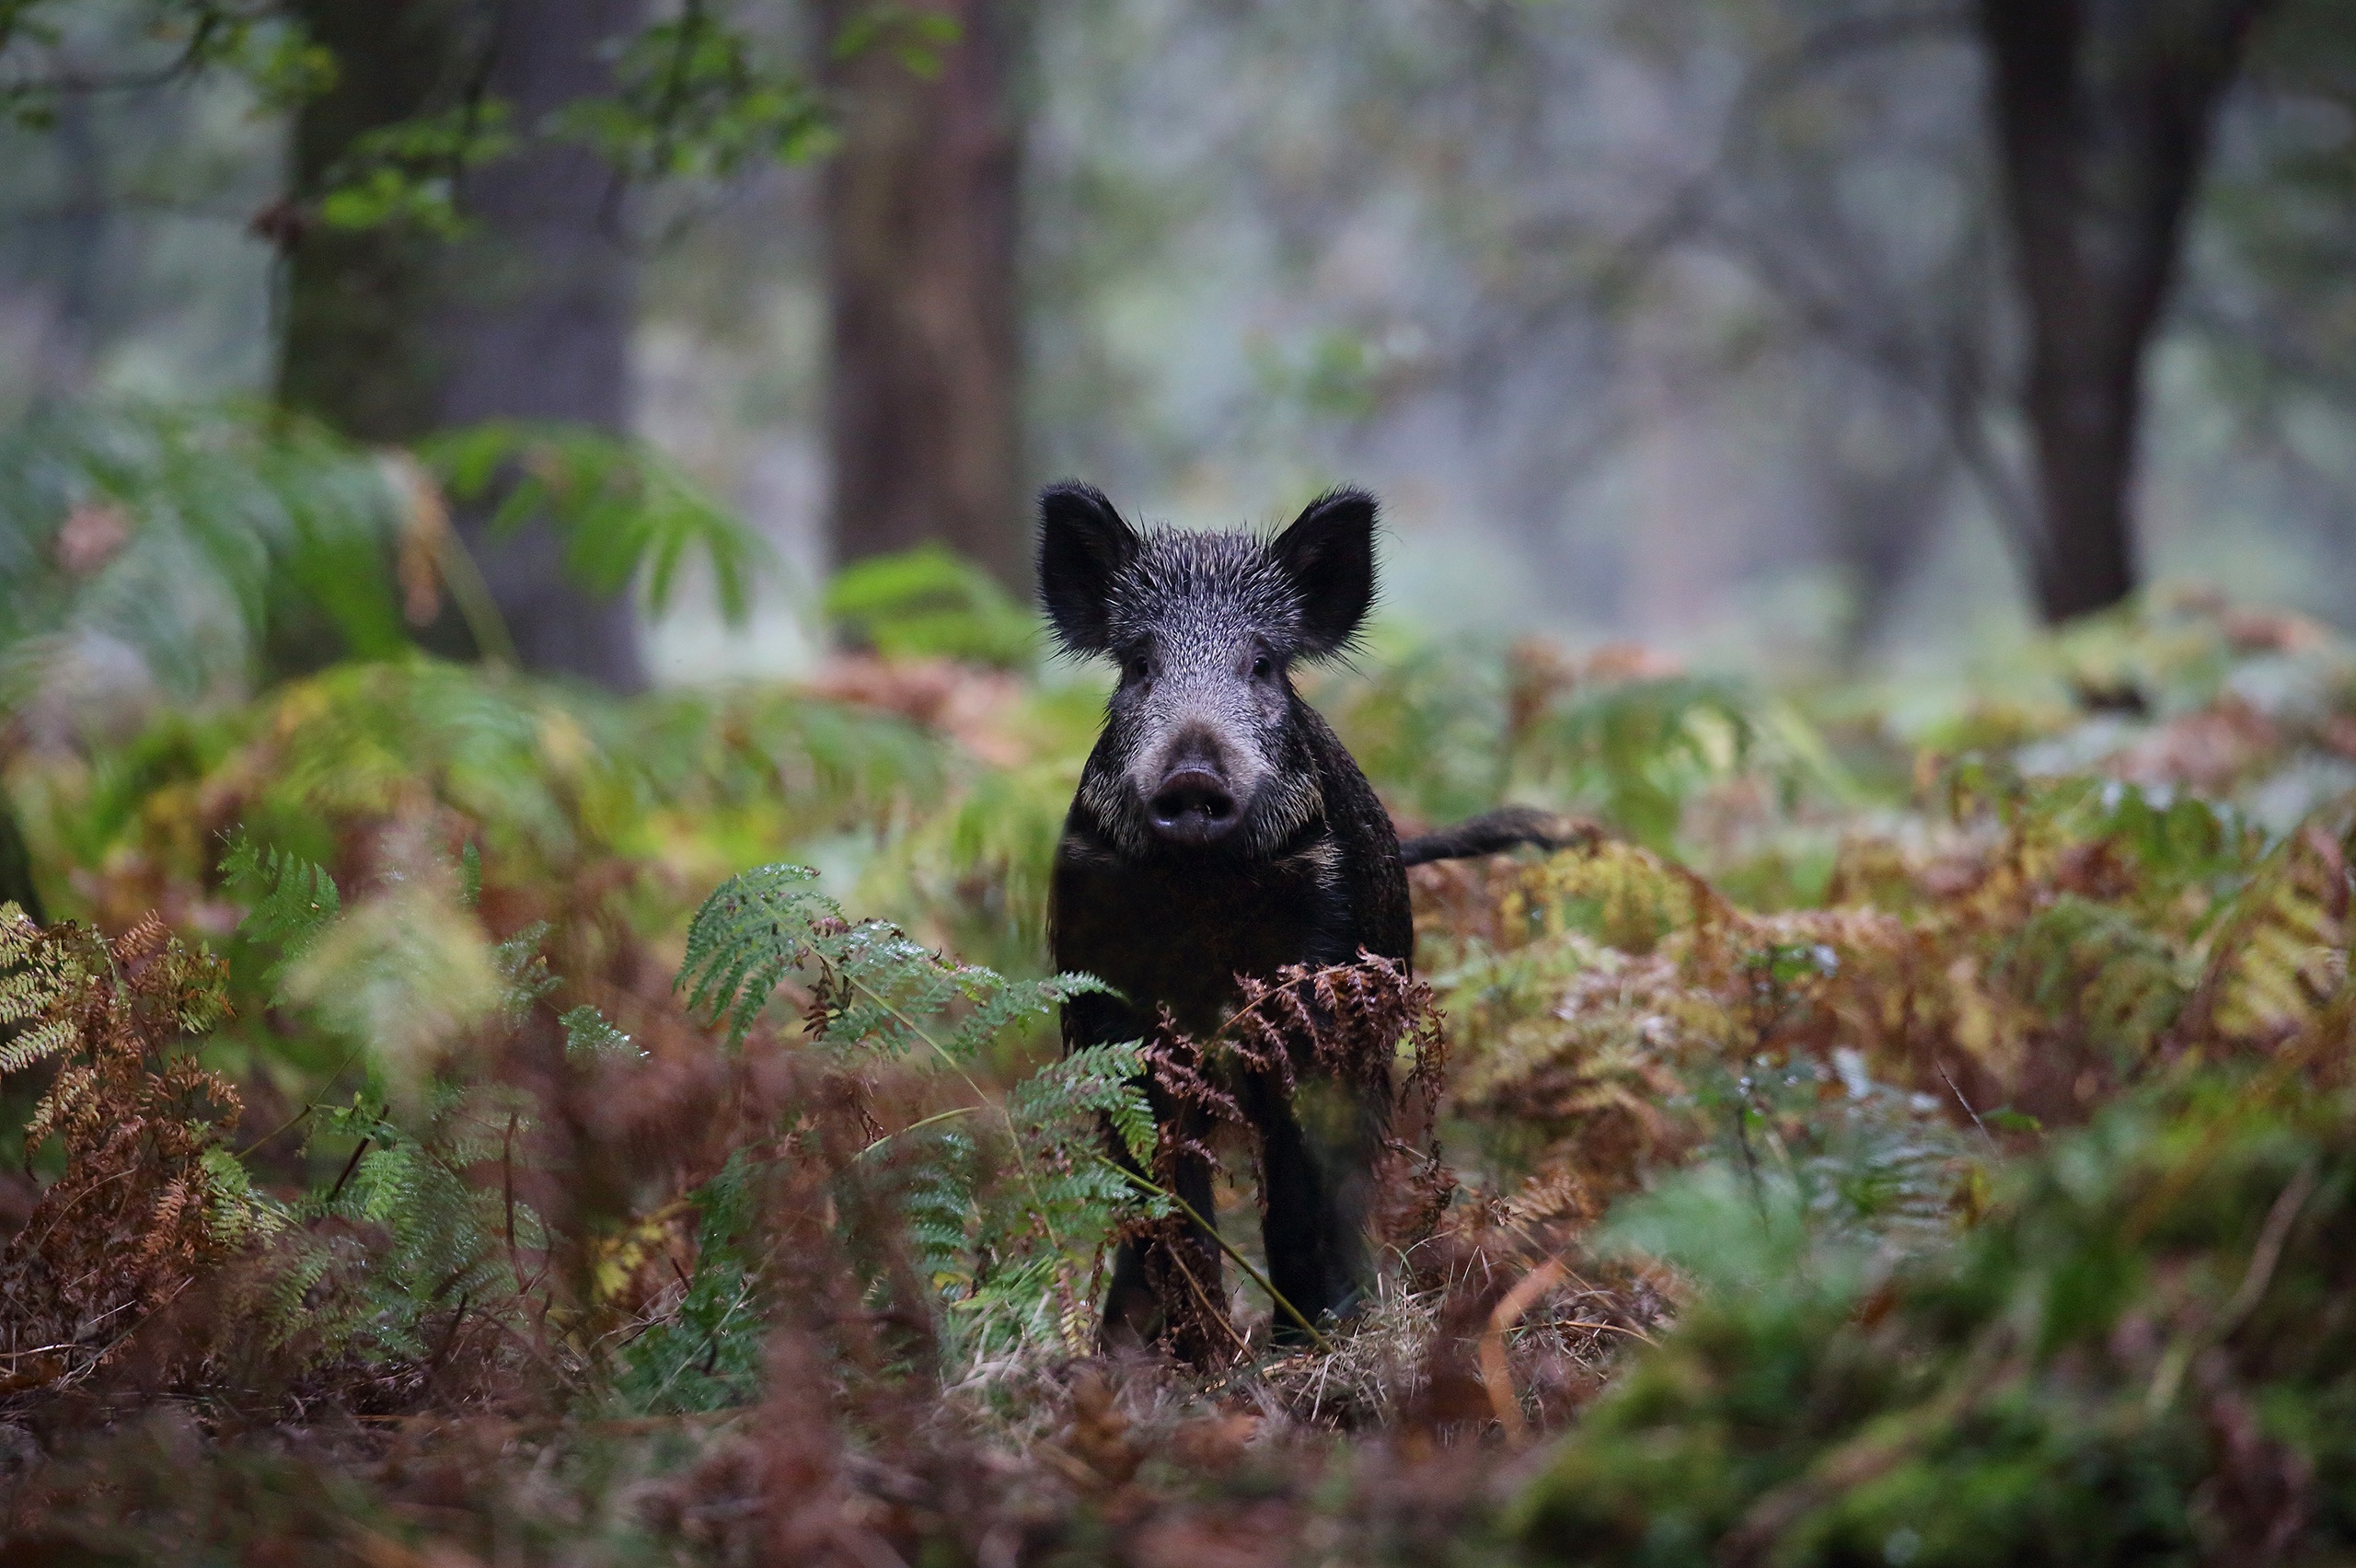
[{"x": 1876, "y": 1141}]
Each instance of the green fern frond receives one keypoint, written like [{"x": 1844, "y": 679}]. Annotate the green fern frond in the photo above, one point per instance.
[
  {"x": 625, "y": 511},
  {"x": 236, "y": 1211},
  {"x": 709, "y": 1354},
  {"x": 523, "y": 972},
  {"x": 35, "y": 977},
  {"x": 875, "y": 990},
  {"x": 2278, "y": 949},
  {"x": 931, "y": 602},
  {"x": 588, "y": 1037},
  {"x": 2077, "y": 959},
  {"x": 289, "y": 900},
  {"x": 442, "y": 1240},
  {"x": 432, "y": 1236},
  {"x": 998, "y": 1005},
  {"x": 36, "y": 1045},
  {"x": 182, "y": 533},
  {"x": 938, "y": 1204},
  {"x": 877, "y": 987},
  {"x": 1013, "y": 1255},
  {"x": 1038, "y": 1241},
  {"x": 1097, "y": 1081},
  {"x": 747, "y": 936},
  {"x": 19, "y": 934}
]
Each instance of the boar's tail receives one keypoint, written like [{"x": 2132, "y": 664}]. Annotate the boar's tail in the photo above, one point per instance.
[{"x": 1509, "y": 827}]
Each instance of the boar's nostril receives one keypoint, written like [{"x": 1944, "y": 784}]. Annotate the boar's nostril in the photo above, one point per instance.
[{"x": 1192, "y": 806}]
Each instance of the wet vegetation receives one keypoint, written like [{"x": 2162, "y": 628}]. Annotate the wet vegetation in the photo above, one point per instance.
[{"x": 458, "y": 1116}]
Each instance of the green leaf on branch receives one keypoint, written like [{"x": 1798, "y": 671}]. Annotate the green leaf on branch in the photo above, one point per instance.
[
  {"x": 873, "y": 988},
  {"x": 692, "y": 100},
  {"x": 588, "y": 1038},
  {"x": 407, "y": 173},
  {"x": 916, "y": 38}
]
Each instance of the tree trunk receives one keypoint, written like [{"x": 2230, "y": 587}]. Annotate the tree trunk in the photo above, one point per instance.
[
  {"x": 921, "y": 207},
  {"x": 391, "y": 334},
  {"x": 538, "y": 323},
  {"x": 2103, "y": 113},
  {"x": 358, "y": 351}
]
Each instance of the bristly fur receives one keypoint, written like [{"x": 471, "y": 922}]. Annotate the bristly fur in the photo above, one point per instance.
[
  {"x": 1206, "y": 626},
  {"x": 1179, "y": 580},
  {"x": 1164, "y": 579},
  {"x": 1180, "y": 611}
]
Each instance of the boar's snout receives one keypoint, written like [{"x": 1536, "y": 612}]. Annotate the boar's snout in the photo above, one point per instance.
[
  {"x": 1196, "y": 784},
  {"x": 1193, "y": 806}
]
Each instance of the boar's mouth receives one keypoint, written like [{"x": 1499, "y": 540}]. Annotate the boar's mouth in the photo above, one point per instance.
[{"x": 1193, "y": 806}]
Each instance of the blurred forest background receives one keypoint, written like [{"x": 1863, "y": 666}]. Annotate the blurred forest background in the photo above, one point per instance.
[
  {"x": 1702, "y": 327},
  {"x": 530, "y": 774}
]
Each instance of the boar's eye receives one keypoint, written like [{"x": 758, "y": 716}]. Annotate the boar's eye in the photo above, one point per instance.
[
  {"x": 1262, "y": 667},
  {"x": 1134, "y": 667}
]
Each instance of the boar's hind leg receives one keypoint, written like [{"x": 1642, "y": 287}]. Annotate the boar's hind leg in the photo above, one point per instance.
[{"x": 1317, "y": 1151}]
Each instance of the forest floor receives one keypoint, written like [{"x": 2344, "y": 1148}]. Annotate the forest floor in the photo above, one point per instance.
[{"x": 1907, "y": 1127}]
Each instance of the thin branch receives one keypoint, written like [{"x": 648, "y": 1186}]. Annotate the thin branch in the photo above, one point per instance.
[
  {"x": 1021, "y": 1162},
  {"x": 1229, "y": 1248},
  {"x": 948, "y": 1115},
  {"x": 348, "y": 1167},
  {"x": 185, "y": 63},
  {"x": 1831, "y": 44}
]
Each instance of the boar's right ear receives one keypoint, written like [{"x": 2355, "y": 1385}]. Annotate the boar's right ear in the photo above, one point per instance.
[
  {"x": 1083, "y": 548},
  {"x": 1328, "y": 554}
]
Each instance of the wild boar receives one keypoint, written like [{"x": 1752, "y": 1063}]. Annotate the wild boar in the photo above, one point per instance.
[{"x": 1221, "y": 828}]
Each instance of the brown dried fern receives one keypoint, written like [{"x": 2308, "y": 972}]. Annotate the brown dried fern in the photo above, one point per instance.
[
  {"x": 1345, "y": 1022},
  {"x": 143, "y": 1205}
]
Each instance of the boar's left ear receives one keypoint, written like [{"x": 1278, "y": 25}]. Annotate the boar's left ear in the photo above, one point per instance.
[
  {"x": 1083, "y": 548},
  {"x": 1329, "y": 555}
]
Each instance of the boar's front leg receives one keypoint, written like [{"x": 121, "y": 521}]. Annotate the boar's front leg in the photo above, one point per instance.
[
  {"x": 1318, "y": 1145},
  {"x": 1157, "y": 1277}
]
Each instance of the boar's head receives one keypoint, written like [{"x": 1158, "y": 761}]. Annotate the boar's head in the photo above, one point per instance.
[{"x": 1204, "y": 742}]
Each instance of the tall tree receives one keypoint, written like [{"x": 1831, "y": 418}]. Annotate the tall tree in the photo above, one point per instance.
[
  {"x": 2103, "y": 113},
  {"x": 392, "y": 332},
  {"x": 356, "y": 349},
  {"x": 921, "y": 201},
  {"x": 541, "y": 328}
]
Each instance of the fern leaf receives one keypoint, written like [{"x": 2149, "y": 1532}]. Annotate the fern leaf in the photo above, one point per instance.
[
  {"x": 1014, "y": 1258},
  {"x": 30, "y": 992},
  {"x": 1098, "y": 1081},
  {"x": 940, "y": 1210},
  {"x": 749, "y": 935},
  {"x": 2278, "y": 949},
  {"x": 18, "y": 934},
  {"x": 625, "y": 511},
  {"x": 35, "y": 971},
  {"x": 523, "y": 972},
  {"x": 709, "y": 1353},
  {"x": 1000, "y": 1004},
  {"x": 36, "y": 1045},
  {"x": 588, "y": 1037},
  {"x": 290, "y": 900}
]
